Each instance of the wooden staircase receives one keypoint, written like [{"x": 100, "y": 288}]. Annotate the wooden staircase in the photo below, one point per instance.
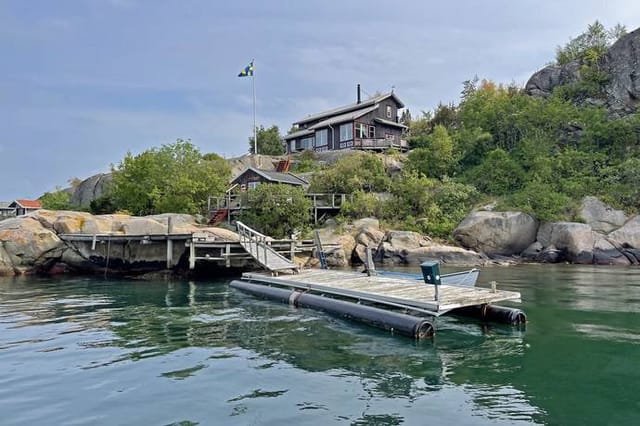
[
  {"x": 257, "y": 245},
  {"x": 218, "y": 216},
  {"x": 284, "y": 165}
]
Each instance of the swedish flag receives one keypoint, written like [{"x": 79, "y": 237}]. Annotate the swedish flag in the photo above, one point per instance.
[{"x": 247, "y": 71}]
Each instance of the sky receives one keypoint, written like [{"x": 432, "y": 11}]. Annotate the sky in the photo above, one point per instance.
[{"x": 83, "y": 82}]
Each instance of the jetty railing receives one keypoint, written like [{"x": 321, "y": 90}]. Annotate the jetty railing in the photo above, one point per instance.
[{"x": 258, "y": 246}]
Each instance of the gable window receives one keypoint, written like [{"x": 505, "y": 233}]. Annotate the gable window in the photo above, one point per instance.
[
  {"x": 346, "y": 132},
  {"x": 389, "y": 111},
  {"x": 253, "y": 185},
  {"x": 322, "y": 137}
]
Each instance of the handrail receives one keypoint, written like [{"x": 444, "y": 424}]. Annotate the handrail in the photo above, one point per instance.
[{"x": 257, "y": 240}]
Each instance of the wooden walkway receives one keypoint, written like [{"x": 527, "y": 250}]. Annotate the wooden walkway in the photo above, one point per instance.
[
  {"x": 257, "y": 245},
  {"x": 390, "y": 291}
]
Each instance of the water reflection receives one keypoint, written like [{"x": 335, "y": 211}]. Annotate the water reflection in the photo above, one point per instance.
[
  {"x": 149, "y": 320},
  {"x": 582, "y": 334}
]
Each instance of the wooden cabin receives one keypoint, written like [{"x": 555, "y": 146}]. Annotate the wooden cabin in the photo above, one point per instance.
[
  {"x": 252, "y": 177},
  {"x": 372, "y": 124},
  {"x": 23, "y": 207}
]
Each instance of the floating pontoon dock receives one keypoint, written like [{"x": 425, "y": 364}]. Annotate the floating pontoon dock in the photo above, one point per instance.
[
  {"x": 393, "y": 303},
  {"x": 393, "y": 292}
]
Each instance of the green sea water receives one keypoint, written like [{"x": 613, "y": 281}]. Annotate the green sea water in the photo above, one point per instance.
[{"x": 87, "y": 351}]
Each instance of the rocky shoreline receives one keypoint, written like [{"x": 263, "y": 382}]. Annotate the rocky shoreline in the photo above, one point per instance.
[
  {"x": 31, "y": 244},
  {"x": 604, "y": 237}
]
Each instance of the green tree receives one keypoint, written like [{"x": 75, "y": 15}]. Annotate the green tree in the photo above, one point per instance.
[
  {"x": 56, "y": 200},
  {"x": 357, "y": 171},
  {"x": 436, "y": 158},
  {"x": 269, "y": 141},
  {"x": 499, "y": 174},
  {"x": 590, "y": 45},
  {"x": 277, "y": 210},
  {"x": 173, "y": 178}
]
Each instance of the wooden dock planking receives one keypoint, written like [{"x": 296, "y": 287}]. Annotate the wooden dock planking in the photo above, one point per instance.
[{"x": 393, "y": 291}]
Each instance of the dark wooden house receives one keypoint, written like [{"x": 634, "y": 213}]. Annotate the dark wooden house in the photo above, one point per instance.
[
  {"x": 371, "y": 124},
  {"x": 253, "y": 177}
]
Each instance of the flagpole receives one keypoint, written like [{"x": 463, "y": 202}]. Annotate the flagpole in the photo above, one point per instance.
[{"x": 255, "y": 129}]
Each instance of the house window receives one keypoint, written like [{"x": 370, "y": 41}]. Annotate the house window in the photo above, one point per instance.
[
  {"x": 306, "y": 143},
  {"x": 322, "y": 137},
  {"x": 346, "y": 132},
  {"x": 372, "y": 132},
  {"x": 253, "y": 185},
  {"x": 362, "y": 131},
  {"x": 389, "y": 111}
]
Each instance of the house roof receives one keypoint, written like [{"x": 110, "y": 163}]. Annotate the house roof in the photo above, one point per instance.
[
  {"x": 389, "y": 123},
  {"x": 278, "y": 177},
  {"x": 27, "y": 204},
  {"x": 349, "y": 116},
  {"x": 356, "y": 106},
  {"x": 299, "y": 133}
]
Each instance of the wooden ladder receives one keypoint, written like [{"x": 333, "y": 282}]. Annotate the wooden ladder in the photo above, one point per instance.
[{"x": 320, "y": 250}]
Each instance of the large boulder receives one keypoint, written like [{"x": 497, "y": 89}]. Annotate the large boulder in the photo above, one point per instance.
[
  {"x": 6, "y": 265},
  {"x": 338, "y": 247},
  {"x": 62, "y": 222},
  {"x": 29, "y": 247},
  {"x": 621, "y": 65},
  {"x": 600, "y": 216},
  {"x": 89, "y": 189},
  {"x": 606, "y": 253},
  {"x": 497, "y": 233},
  {"x": 628, "y": 236},
  {"x": 445, "y": 254},
  {"x": 406, "y": 240},
  {"x": 574, "y": 240},
  {"x": 143, "y": 226}
]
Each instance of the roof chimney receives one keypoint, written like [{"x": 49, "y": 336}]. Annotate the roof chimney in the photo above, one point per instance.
[{"x": 358, "y": 93}]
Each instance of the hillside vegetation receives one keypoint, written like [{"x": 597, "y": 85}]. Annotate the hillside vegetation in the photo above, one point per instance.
[{"x": 498, "y": 145}]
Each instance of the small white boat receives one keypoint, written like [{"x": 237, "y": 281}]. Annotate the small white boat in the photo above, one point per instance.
[{"x": 461, "y": 279}]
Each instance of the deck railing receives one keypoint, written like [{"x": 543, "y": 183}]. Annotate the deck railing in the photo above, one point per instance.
[{"x": 381, "y": 143}]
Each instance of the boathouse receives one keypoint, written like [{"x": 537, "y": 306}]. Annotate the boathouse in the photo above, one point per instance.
[{"x": 371, "y": 124}]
